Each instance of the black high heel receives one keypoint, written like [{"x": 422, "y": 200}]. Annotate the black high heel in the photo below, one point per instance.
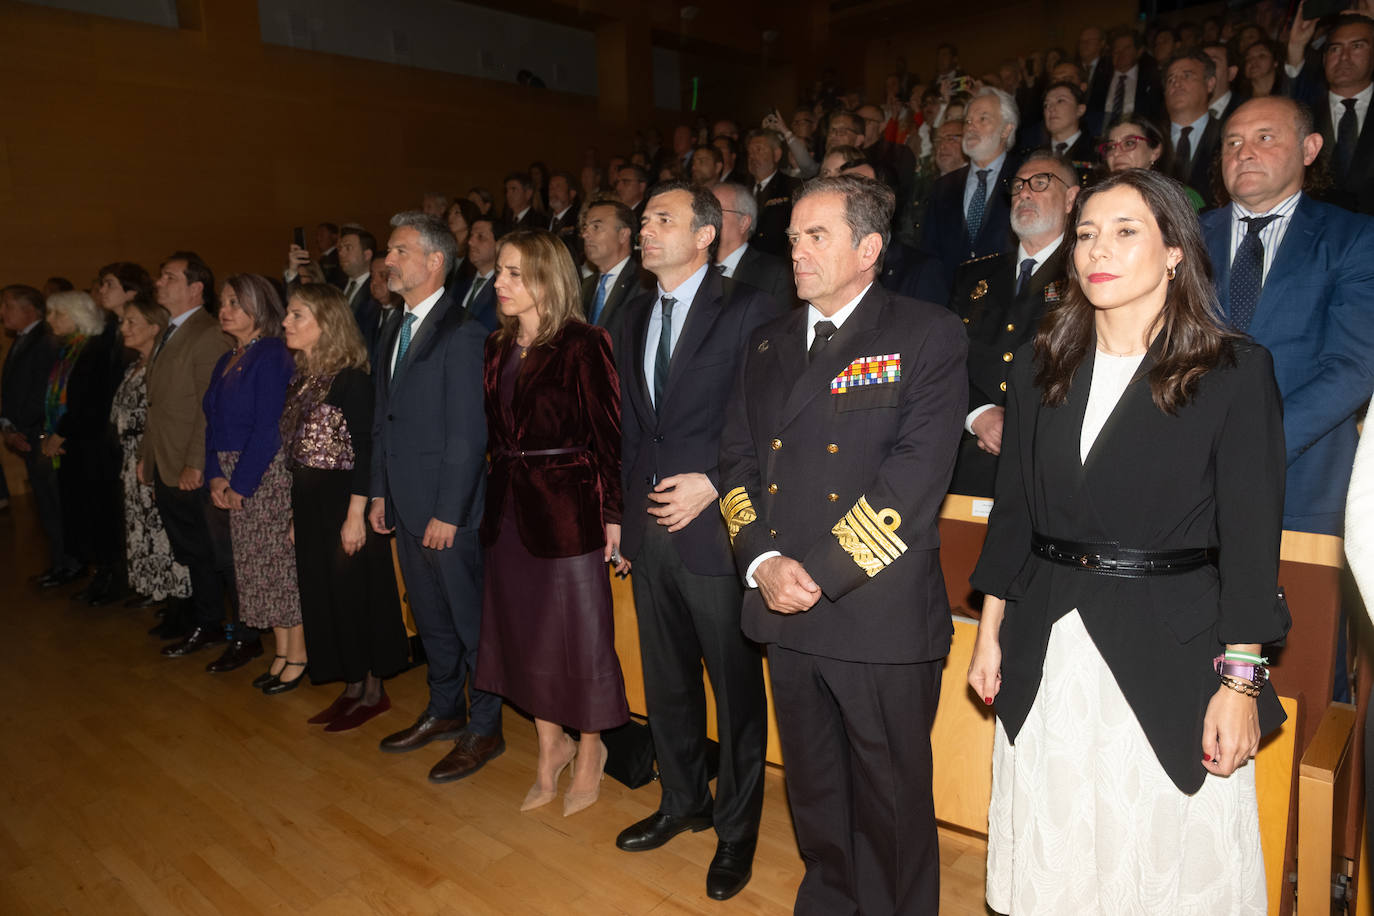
[
  {"x": 280, "y": 686},
  {"x": 267, "y": 677}
]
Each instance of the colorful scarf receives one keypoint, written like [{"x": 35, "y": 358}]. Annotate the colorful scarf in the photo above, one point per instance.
[{"x": 55, "y": 401}]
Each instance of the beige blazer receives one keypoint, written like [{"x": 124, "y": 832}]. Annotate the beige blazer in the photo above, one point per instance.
[{"x": 174, "y": 437}]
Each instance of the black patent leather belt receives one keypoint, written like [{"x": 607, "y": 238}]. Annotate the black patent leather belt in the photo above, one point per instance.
[
  {"x": 543, "y": 452},
  {"x": 1110, "y": 559}
]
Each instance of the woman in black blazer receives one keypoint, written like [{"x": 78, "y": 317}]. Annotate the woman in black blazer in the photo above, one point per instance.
[{"x": 1134, "y": 541}]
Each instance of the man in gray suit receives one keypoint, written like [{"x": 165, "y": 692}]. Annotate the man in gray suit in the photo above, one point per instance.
[
  {"x": 429, "y": 484},
  {"x": 608, "y": 232}
]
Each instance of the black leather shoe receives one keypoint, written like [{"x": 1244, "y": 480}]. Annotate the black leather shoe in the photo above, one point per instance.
[
  {"x": 278, "y": 685},
  {"x": 199, "y": 638},
  {"x": 730, "y": 870},
  {"x": 61, "y": 577},
  {"x": 239, "y": 653},
  {"x": 658, "y": 828}
]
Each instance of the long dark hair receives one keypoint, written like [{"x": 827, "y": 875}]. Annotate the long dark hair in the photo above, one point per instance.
[{"x": 1192, "y": 337}]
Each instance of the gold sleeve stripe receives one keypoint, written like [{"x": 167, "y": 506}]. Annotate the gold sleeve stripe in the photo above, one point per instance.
[
  {"x": 738, "y": 511},
  {"x": 887, "y": 520},
  {"x": 870, "y": 537}
]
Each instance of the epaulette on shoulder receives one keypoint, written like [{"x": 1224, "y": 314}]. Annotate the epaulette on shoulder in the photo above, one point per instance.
[{"x": 986, "y": 257}]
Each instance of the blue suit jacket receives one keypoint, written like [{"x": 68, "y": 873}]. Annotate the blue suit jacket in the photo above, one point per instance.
[
  {"x": 429, "y": 433},
  {"x": 945, "y": 235},
  {"x": 1316, "y": 316}
]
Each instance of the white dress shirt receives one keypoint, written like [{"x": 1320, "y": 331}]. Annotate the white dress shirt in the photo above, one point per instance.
[
  {"x": 1218, "y": 107},
  {"x": 421, "y": 312},
  {"x": 1337, "y": 103},
  {"x": 813, "y": 315},
  {"x": 731, "y": 261},
  {"x": 683, "y": 296},
  {"x": 1132, "y": 78},
  {"x": 1271, "y": 236}
]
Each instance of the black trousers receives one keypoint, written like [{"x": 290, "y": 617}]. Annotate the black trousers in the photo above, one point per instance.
[
  {"x": 47, "y": 503},
  {"x": 857, "y": 760},
  {"x": 199, "y": 535},
  {"x": 685, "y": 619},
  {"x": 445, "y": 592}
]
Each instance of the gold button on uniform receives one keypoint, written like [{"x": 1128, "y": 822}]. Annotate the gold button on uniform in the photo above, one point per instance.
[
  {"x": 772, "y": 533},
  {"x": 777, "y": 444},
  {"x": 832, "y": 448},
  {"x": 833, "y": 497},
  {"x": 965, "y": 321},
  {"x": 1004, "y": 386},
  {"x": 772, "y": 488},
  {"x": 1010, "y": 328},
  {"x": 1006, "y": 358}
]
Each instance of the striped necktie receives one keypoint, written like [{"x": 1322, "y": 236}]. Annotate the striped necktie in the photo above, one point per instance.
[{"x": 977, "y": 206}]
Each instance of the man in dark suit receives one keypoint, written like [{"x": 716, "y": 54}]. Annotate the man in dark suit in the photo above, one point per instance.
[
  {"x": 1064, "y": 108},
  {"x": 737, "y": 258},
  {"x": 356, "y": 248},
  {"x": 171, "y": 457},
  {"x": 608, "y": 239},
  {"x": 631, "y": 183},
  {"x": 733, "y": 165},
  {"x": 1340, "y": 95},
  {"x": 381, "y": 304},
  {"x": 1094, "y": 61},
  {"x": 1132, "y": 86},
  {"x": 563, "y": 214},
  {"x": 968, "y": 215},
  {"x": 678, "y": 357},
  {"x": 428, "y": 485},
  {"x": 1194, "y": 132},
  {"x": 1225, "y": 94},
  {"x": 1001, "y": 299},
  {"x": 520, "y": 212},
  {"x": 1295, "y": 275},
  {"x": 23, "y": 392},
  {"x": 327, "y": 242},
  {"x": 477, "y": 297},
  {"x": 837, "y": 449},
  {"x": 772, "y": 192}
]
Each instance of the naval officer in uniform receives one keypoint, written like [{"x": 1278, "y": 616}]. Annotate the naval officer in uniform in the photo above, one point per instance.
[
  {"x": 838, "y": 445},
  {"x": 1001, "y": 299}
]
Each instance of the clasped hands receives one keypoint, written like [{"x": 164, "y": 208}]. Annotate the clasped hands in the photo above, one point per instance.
[
  {"x": 222, "y": 496},
  {"x": 680, "y": 498}
]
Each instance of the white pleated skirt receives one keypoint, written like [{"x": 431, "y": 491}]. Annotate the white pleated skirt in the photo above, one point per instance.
[{"x": 1085, "y": 821}]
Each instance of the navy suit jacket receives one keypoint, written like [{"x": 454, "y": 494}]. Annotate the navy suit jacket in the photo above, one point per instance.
[
  {"x": 483, "y": 308},
  {"x": 1316, "y": 316},
  {"x": 944, "y": 235},
  {"x": 429, "y": 432}
]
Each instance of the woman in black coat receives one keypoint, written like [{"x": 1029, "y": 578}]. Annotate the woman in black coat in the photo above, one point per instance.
[{"x": 1131, "y": 567}]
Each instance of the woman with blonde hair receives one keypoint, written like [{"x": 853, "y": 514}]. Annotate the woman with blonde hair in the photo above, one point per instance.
[
  {"x": 552, "y": 517},
  {"x": 76, "y": 437},
  {"x": 349, "y": 604}
]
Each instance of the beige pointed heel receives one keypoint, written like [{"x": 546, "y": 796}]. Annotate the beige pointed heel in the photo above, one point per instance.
[
  {"x": 537, "y": 797},
  {"x": 574, "y": 802}
]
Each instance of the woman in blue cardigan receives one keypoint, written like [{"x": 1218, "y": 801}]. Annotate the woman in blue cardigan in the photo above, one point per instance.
[{"x": 246, "y": 475}]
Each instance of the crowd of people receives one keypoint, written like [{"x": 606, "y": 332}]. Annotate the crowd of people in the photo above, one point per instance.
[{"x": 744, "y": 369}]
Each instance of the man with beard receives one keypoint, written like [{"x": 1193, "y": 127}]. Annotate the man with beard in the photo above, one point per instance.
[{"x": 1001, "y": 298}]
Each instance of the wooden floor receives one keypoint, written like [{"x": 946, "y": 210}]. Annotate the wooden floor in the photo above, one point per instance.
[{"x": 133, "y": 783}]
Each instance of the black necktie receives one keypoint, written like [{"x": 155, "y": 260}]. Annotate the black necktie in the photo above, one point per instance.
[
  {"x": 1183, "y": 154},
  {"x": 665, "y": 352},
  {"x": 1119, "y": 95},
  {"x": 1060, "y": 148},
  {"x": 1347, "y": 133},
  {"x": 824, "y": 331},
  {"x": 1247, "y": 273},
  {"x": 162, "y": 341},
  {"x": 1023, "y": 279}
]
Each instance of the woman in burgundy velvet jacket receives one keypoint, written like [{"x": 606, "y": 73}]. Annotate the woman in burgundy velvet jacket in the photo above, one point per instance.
[{"x": 552, "y": 517}]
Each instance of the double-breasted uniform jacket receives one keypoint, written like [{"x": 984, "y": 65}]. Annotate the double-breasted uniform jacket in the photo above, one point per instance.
[
  {"x": 1209, "y": 476},
  {"x": 775, "y": 212},
  {"x": 841, "y": 464},
  {"x": 998, "y": 323},
  {"x": 567, "y": 396},
  {"x": 177, "y": 379}
]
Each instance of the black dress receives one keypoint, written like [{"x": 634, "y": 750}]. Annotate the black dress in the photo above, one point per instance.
[{"x": 349, "y": 605}]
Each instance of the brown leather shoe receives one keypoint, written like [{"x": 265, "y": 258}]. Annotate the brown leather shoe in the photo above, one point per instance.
[
  {"x": 469, "y": 755},
  {"x": 426, "y": 729}
]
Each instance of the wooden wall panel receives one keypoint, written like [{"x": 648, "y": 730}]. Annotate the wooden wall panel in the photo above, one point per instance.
[{"x": 127, "y": 141}]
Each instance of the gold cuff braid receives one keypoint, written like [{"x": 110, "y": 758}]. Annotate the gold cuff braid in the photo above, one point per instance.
[
  {"x": 738, "y": 511},
  {"x": 870, "y": 537}
]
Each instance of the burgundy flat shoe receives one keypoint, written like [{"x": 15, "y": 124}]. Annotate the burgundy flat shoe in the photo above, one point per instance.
[
  {"x": 358, "y": 715},
  {"x": 332, "y": 711}
]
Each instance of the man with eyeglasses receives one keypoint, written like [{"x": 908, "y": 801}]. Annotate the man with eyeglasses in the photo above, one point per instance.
[
  {"x": 1188, "y": 83},
  {"x": 1001, "y": 299}
]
